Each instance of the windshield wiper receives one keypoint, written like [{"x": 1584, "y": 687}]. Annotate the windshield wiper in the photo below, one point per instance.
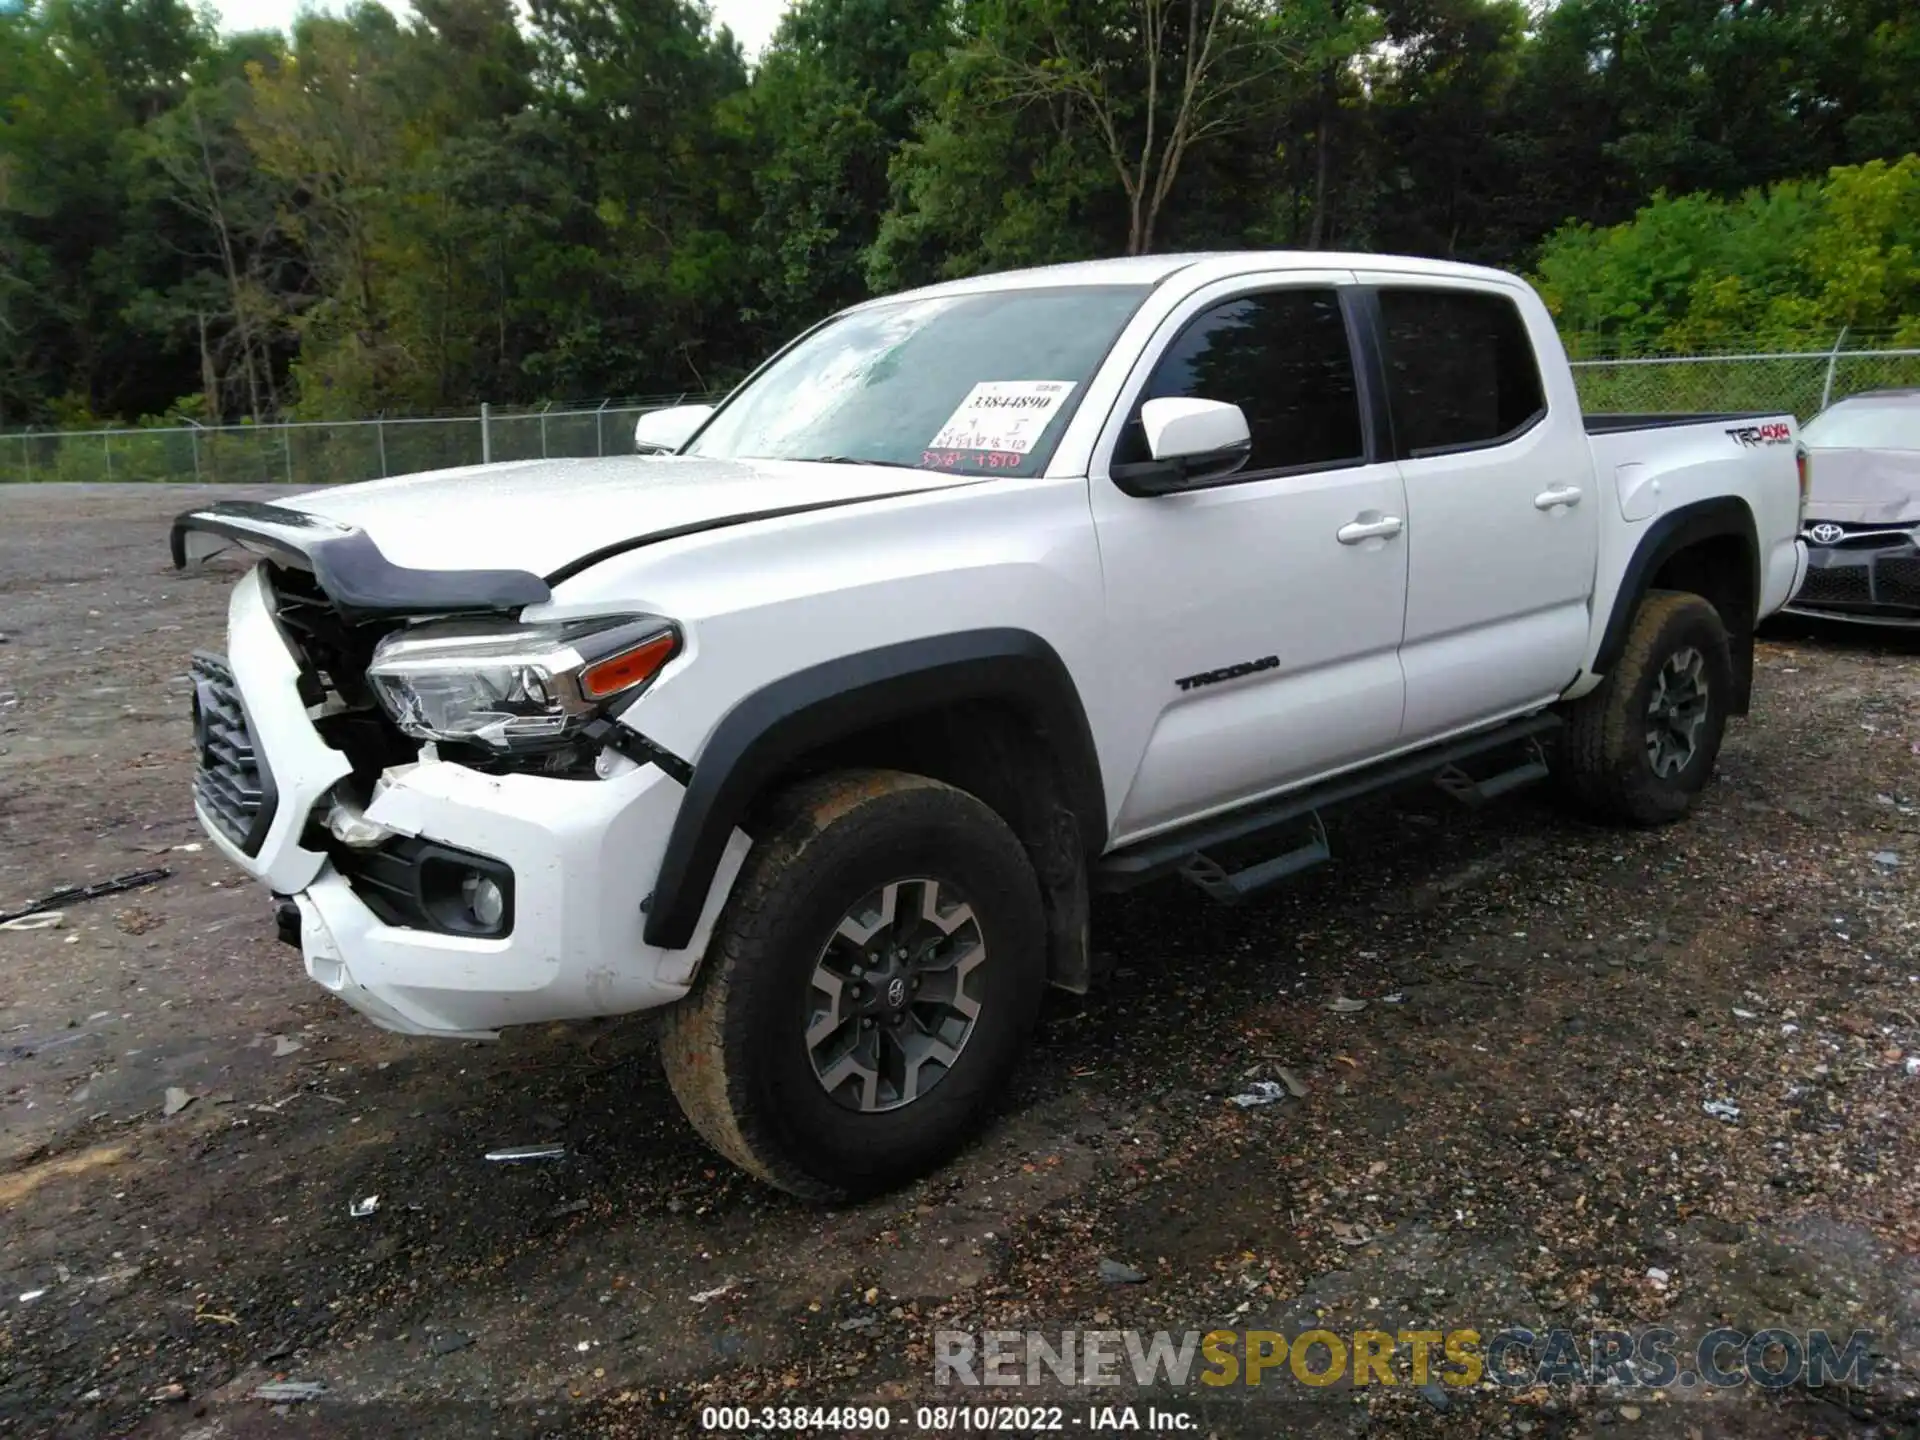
[{"x": 849, "y": 460}]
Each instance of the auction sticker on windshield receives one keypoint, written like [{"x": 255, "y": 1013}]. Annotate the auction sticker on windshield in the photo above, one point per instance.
[{"x": 1003, "y": 415}]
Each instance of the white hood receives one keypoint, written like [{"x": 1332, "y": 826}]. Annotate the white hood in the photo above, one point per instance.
[{"x": 539, "y": 515}]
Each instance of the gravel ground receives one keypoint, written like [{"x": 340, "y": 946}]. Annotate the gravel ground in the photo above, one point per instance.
[{"x": 1510, "y": 1130}]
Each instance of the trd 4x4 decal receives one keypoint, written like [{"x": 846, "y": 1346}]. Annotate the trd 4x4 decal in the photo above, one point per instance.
[{"x": 1751, "y": 435}]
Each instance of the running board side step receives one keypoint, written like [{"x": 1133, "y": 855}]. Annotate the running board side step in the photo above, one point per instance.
[{"x": 1184, "y": 852}]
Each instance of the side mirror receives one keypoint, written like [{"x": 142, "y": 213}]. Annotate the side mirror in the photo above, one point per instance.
[
  {"x": 1193, "y": 442},
  {"x": 660, "y": 432}
]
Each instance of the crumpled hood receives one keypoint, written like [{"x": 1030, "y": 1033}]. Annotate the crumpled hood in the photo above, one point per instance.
[
  {"x": 541, "y": 515},
  {"x": 1866, "y": 486}
]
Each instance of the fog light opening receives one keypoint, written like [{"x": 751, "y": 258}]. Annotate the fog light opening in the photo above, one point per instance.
[{"x": 483, "y": 899}]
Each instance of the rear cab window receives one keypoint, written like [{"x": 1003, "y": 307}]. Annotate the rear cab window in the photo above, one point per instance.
[{"x": 1461, "y": 369}]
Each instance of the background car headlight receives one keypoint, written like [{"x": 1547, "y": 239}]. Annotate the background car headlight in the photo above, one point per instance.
[{"x": 516, "y": 687}]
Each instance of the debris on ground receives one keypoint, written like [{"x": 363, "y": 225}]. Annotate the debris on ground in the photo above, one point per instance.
[
  {"x": 360, "y": 1209},
  {"x": 1658, "y": 1276},
  {"x": 1343, "y": 1006},
  {"x": 176, "y": 1101},
  {"x": 1886, "y": 858},
  {"x": 1296, "y": 1087},
  {"x": 31, "y": 1296},
  {"x": 76, "y": 894},
  {"x": 286, "y": 1045},
  {"x": 1115, "y": 1273},
  {"x": 703, "y": 1296},
  {"x": 1264, "y": 1092},
  {"x": 514, "y": 1153},
  {"x": 448, "y": 1341},
  {"x": 289, "y": 1392},
  {"x": 168, "y": 1393},
  {"x": 1722, "y": 1110},
  {"x": 37, "y": 920},
  {"x": 572, "y": 1207}
]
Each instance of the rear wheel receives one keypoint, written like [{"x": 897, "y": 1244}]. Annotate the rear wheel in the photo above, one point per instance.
[
  {"x": 872, "y": 981},
  {"x": 1641, "y": 746}
]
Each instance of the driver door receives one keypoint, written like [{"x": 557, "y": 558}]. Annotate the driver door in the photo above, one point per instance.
[{"x": 1254, "y": 625}]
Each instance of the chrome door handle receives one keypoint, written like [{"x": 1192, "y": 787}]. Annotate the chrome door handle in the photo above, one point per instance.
[
  {"x": 1359, "y": 530},
  {"x": 1568, "y": 495}
]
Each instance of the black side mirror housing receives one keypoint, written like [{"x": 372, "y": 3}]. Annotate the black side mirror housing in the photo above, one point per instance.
[{"x": 1146, "y": 478}]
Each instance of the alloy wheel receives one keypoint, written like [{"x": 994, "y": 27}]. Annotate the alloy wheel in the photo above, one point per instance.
[
  {"x": 895, "y": 995},
  {"x": 1676, "y": 712}
]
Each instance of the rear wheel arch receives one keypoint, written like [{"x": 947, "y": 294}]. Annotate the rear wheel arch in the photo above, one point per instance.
[
  {"x": 992, "y": 711},
  {"x": 1710, "y": 548}
]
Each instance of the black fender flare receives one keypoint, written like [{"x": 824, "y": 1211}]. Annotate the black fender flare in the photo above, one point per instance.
[
  {"x": 1667, "y": 536},
  {"x": 775, "y": 725}
]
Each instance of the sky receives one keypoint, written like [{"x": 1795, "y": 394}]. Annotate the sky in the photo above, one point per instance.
[{"x": 750, "y": 20}]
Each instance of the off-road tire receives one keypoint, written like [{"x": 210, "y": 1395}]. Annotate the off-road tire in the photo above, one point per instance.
[
  {"x": 735, "y": 1049},
  {"x": 1604, "y": 765}
]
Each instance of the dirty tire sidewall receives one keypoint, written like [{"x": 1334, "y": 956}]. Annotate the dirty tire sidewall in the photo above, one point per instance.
[
  {"x": 1605, "y": 766},
  {"x": 735, "y": 1051}
]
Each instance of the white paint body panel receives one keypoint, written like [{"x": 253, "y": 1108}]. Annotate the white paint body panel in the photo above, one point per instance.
[
  {"x": 1483, "y": 606},
  {"x": 1497, "y": 587}
]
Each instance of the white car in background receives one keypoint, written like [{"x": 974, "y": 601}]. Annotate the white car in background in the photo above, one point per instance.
[{"x": 1863, "y": 516}]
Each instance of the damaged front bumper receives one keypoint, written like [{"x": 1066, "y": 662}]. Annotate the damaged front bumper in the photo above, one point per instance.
[{"x": 575, "y": 857}]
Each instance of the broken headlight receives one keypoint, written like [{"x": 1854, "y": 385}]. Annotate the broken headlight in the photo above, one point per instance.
[{"x": 516, "y": 687}]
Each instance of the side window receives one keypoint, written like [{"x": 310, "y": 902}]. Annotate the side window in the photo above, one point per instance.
[
  {"x": 1460, "y": 368},
  {"x": 1284, "y": 359}
]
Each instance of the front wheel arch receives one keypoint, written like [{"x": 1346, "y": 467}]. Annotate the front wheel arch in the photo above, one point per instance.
[{"x": 770, "y": 733}]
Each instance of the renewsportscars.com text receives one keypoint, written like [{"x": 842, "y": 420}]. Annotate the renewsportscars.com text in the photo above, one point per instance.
[{"x": 1654, "y": 1358}]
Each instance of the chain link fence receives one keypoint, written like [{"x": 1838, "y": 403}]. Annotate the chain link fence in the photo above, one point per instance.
[
  {"x": 324, "y": 452},
  {"x": 329, "y": 452},
  {"x": 1801, "y": 383}
]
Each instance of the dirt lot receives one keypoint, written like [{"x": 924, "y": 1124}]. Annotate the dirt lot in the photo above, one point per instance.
[{"x": 1510, "y": 1132}]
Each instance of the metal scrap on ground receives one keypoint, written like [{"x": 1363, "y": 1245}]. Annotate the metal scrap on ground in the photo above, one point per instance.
[
  {"x": 528, "y": 1152},
  {"x": 75, "y": 894}
]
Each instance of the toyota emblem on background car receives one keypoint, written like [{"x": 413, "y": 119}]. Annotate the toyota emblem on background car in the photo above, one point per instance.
[{"x": 1825, "y": 534}]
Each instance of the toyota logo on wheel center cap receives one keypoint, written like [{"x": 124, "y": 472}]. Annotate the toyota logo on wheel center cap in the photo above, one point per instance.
[
  {"x": 1825, "y": 534},
  {"x": 896, "y": 992}
]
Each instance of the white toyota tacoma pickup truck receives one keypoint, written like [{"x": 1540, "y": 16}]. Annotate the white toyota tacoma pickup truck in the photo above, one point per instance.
[{"x": 817, "y": 729}]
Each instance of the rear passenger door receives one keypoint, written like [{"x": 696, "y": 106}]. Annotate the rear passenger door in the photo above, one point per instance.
[
  {"x": 1254, "y": 625},
  {"x": 1502, "y": 515}
]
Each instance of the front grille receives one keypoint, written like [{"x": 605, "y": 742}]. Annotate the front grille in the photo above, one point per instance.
[
  {"x": 1897, "y": 580},
  {"x": 1840, "y": 585},
  {"x": 1858, "y": 534},
  {"x": 232, "y": 783}
]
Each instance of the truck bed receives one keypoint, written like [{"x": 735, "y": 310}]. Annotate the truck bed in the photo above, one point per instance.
[{"x": 1612, "y": 423}]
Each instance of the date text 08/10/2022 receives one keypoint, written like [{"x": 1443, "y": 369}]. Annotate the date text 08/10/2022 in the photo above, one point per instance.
[{"x": 945, "y": 1419}]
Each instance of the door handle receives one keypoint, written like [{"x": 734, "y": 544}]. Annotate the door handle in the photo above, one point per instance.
[
  {"x": 1567, "y": 495},
  {"x": 1359, "y": 530}
]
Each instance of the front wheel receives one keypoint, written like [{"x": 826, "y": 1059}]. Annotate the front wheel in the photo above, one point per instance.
[
  {"x": 873, "y": 979},
  {"x": 1641, "y": 746}
]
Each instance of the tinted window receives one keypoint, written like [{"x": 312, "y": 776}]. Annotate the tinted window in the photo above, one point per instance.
[
  {"x": 1460, "y": 368},
  {"x": 1283, "y": 358},
  {"x": 902, "y": 384}
]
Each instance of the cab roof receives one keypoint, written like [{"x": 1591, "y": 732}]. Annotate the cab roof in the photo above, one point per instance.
[{"x": 1153, "y": 269}]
